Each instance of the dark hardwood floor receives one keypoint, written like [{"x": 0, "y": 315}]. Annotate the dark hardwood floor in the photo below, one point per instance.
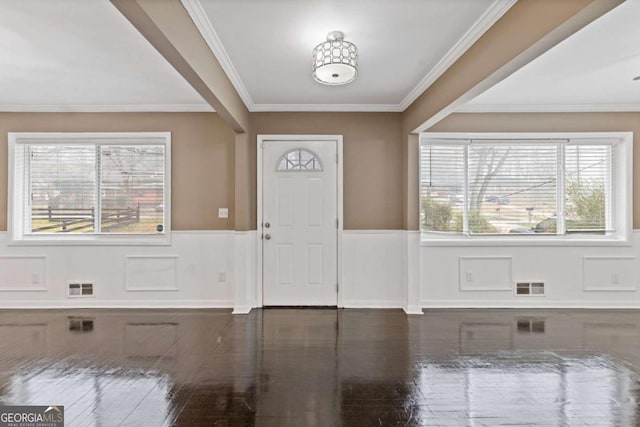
[{"x": 281, "y": 367}]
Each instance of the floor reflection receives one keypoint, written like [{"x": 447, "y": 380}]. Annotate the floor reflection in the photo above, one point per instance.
[
  {"x": 325, "y": 367},
  {"x": 528, "y": 387},
  {"x": 90, "y": 397}
]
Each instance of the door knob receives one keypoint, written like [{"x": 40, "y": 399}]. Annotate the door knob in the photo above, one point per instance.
[
  {"x": 267, "y": 225},
  {"x": 267, "y": 236}
]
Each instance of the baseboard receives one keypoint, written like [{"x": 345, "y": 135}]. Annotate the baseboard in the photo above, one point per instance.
[
  {"x": 413, "y": 310},
  {"x": 587, "y": 305},
  {"x": 371, "y": 304},
  {"x": 365, "y": 232},
  {"x": 93, "y": 303},
  {"x": 242, "y": 310}
]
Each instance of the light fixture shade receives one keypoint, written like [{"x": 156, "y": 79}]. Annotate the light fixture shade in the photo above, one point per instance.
[{"x": 335, "y": 61}]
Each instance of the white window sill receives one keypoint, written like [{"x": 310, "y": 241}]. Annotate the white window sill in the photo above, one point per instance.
[
  {"x": 102, "y": 240},
  {"x": 428, "y": 240}
]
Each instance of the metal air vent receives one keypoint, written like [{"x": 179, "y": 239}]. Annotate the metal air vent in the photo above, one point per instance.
[
  {"x": 529, "y": 288},
  {"x": 78, "y": 290}
]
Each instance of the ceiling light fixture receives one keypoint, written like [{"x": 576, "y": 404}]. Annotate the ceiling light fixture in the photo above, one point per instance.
[{"x": 335, "y": 61}]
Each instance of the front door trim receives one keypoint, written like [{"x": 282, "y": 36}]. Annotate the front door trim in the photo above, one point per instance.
[{"x": 259, "y": 254}]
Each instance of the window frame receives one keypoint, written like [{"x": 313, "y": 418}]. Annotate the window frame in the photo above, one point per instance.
[
  {"x": 15, "y": 202},
  {"x": 621, "y": 190}
]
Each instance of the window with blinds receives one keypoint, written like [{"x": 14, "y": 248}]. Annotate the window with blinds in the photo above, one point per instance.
[
  {"x": 519, "y": 187},
  {"x": 66, "y": 186},
  {"x": 511, "y": 186},
  {"x": 442, "y": 189},
  {"x": 587, "y": 173}
]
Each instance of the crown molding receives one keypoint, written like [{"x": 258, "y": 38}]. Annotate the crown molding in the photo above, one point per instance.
[
  {"x": 151, "y": 108},
  {"x": 380, "y": 108},
  {"x": 552, "y": 108},
  {"x": 203, "y": 24},
  {"x": 497, "y": 9},
  {"x": 195, "y": 9}
]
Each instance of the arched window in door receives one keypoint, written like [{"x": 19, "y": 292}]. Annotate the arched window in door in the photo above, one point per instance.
[{"x": 299, "y": 160}]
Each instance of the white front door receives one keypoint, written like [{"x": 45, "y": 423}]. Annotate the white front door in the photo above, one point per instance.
[{"x": 299, "y": 223}]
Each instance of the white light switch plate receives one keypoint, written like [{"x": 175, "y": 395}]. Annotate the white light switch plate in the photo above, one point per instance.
[{"x": 223, "y": 213}]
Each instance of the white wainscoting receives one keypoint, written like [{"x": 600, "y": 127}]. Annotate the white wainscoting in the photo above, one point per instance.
[
  {"x": 244, "y": 253},
  {"x": 374, "y": 269},
  {"x": 609, "y": 273},
  {"x": 484, "y": 273},
  {"x": 191, "y": 270},
  {"x": 151, "y": 273},
  {"x": 382, "y": 269},
  {"x": 186, "y": 274},
  {"x": 574, "y": 277},
  {"x": 22, "y": 273}
]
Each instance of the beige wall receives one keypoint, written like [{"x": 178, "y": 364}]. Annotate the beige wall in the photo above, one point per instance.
[
  {"x": 211, "y": 169},
  {"x": 202, "y": 157},
  {"x": 206, "y": 164},
  {"x": 245, "y": 205},
  {"x": 551, "y": 122},
  {"x": 372, "y": 161}
]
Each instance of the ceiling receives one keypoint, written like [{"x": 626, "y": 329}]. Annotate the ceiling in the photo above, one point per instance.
[
  {"x": 592, "y": 70},
  {"x": 404, "y": 45},
  {"x": 83, "y": 55}
]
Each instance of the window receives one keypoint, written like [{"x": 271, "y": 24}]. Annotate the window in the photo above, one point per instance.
[
  {"x": 533, "y": 187},
  {"x": 80, "y": 187},
  {"x": 300, "y": 160}
]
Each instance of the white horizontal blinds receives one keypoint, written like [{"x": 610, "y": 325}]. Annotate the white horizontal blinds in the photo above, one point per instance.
[
  {"x": 587, "y": 188},
  {"x": 62, "y": 181},
  {"x": 442, "y": 187},
  {"x": 22, "y": 195},
  {"x": 132, "y": 188},
  {"x": 512, "y": 187}
]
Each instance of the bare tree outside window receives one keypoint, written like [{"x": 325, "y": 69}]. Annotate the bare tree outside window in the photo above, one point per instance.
[{"x": 512, "y": 188}]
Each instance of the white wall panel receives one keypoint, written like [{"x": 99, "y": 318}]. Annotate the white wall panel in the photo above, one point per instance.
[
  {"x": 578, "y": 276},
  {"x": 151, "y": 273},
  {"x": 484, "y": 273},
  {"x": 23, "y": 273},
  {"x": 244, "y": 259},
  {"x": 609, "y": 273},
  {"x": 202, "y": 255},
  {"x": 376, "y": 273},
  {"x": 374, "y": 269}
]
